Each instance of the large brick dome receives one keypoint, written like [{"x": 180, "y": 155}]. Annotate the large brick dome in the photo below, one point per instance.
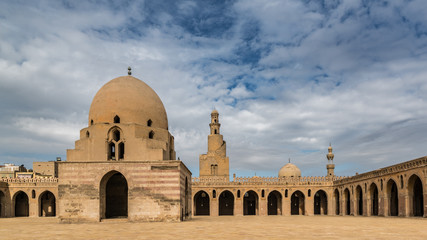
[{"x": 128, "y": 100}]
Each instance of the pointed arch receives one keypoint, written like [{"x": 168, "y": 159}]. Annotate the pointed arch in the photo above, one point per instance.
[
  {"x": 113, "y": 195},
  {"x": 320, "y": 203},
  {"x": 226, "y": 203},
  {"x": 337, "y": 202},
  {"x": 297, "y": 203},
  {"x": 47, "y": 204},
  {"x": 250, "y": 203},
  {"x": 393, "y": 199},
  {"x": 359, "y": 200},
  {"x": 274, "y": 203},
  {"x": 416, "y": 196},
  {"x": 21, "y": 204},
  {"x": 373, "y": 195},
  {"x": 116, "y": 119},
  {"x": 201, "y": 204},
  {"x": 346, "y": 199}
]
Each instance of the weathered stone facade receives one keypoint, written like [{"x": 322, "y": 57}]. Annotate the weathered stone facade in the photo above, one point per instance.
[
  {"x": 123, "y": 166},
  {"x": 398, "y": 190}
]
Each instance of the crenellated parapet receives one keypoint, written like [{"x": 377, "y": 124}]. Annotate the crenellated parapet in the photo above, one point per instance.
[
  {"x": 308, "y": 181},
  {"x": 401, "y": 167},
  {"x": 30, "y": 180}
]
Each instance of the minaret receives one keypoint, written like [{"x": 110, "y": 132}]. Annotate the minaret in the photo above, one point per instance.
[
  {"x": 330, "y": 166},
  {"x": 215, "y": 162}
]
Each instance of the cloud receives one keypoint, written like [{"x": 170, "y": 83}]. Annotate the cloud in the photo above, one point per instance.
[{"x": 287, "y": 77}]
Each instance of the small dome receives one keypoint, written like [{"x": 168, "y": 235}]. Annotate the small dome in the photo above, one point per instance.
[
  {"x": 290, "y": 170},
  {"x": 214, "y": 111},
  {"x": 131, "y": 100}
]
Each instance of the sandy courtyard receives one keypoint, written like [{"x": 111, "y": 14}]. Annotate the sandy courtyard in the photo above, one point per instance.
[{"x": 248, "y": 227}]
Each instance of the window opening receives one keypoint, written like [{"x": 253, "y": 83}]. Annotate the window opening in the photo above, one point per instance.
[
  {"x": 263, "y": 193},
  {"x": 87, "y": 134},
  {"x": 116, "y": 135},
  {"x": 111, "y": 151},
  {"x": 309, "y": 192},
  {"x": 149, "y": 122},
  {"x": 151, "y": 135},
  {"x": 214, "y": 194},
  {"x": 286, "y": 193},
  {"x": 121, "y": 150},
  {"x": 116, "y": 119},
  {"x": 238, "y": 193},
  {"x": 33, "y": 194}
]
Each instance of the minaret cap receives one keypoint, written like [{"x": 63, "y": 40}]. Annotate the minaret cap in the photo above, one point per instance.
[
  {"x": 330, "y": 155},
  {"x": 129, "y": 71}
]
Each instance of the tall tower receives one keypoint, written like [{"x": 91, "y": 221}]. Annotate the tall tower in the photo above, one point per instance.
[
  {"x": 330, "y": 166},
  {"x": 215, "y": 162}
]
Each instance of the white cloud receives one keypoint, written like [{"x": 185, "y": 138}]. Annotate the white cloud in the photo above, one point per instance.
[{"x": 287, "y": 77}]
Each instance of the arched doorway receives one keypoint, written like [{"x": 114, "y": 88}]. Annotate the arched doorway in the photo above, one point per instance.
[
  {"x": 250, "y": 203},
  {"x": 393, "y": 200},
  {"x": 226, "y": 203},
  {"x": 373, "y": 192},
  {"x": 21, "y": 205},
  {"x": 320, "y": 203},
  {"x": 114, "y": 196},
  {"x": 359, "y": 200},
  {"x": 2, "y": 204},
  {"x": 347, "y": 201},
  {"x": 274, "y": 202},
  {"x": 201, "y": 203},
  {"x": 415, "y": 190},
  {"x": 297, "y": 203},
  {"x": 337, "y": 202},
  {"x": 47, "y": 204}
]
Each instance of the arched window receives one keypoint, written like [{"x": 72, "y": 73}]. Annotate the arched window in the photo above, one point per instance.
[
  {"x": 91, "y": 122},
  {"x": 116, "y": 135},
  {"x": 381, "y": 184},
  {"x": 116, "y": 119},
  {"x": 238, "y": 193},
  {"x": 286, "y": 193},
  {"x": 111, "y": 151},
  {"x": 401, "y": 181},
  {"x": 151, "y": 135},
  {"x": 309, "y": 192},
  {"x": 87, "y": 134},
  {"x": 213, "y": 194},
  {"x": 215, "y": 131},
  {"x": 33, "y": 194},
  {"x": 263, "y": 193},
  {"x": 149, "y": 122},
  {"x": 121, "y": 150},
  {"x": 115, "y": 144}
]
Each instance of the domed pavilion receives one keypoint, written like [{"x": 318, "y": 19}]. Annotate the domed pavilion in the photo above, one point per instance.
[{"x": 123, "y": 165}]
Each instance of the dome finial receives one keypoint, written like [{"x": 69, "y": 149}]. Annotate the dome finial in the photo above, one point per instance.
[{"x": 129, "y": 71}]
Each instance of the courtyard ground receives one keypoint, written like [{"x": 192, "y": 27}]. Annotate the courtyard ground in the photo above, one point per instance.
[{"x": 224, "y": 227}]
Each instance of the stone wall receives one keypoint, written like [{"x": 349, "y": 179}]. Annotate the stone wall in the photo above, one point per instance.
[{"x": 154, "y": 189}]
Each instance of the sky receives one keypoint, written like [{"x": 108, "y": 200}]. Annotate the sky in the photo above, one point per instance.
[{"x": 287, "y": 77}]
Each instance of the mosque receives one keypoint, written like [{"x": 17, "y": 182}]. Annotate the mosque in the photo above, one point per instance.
[{"x": 124, "y": 166}]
